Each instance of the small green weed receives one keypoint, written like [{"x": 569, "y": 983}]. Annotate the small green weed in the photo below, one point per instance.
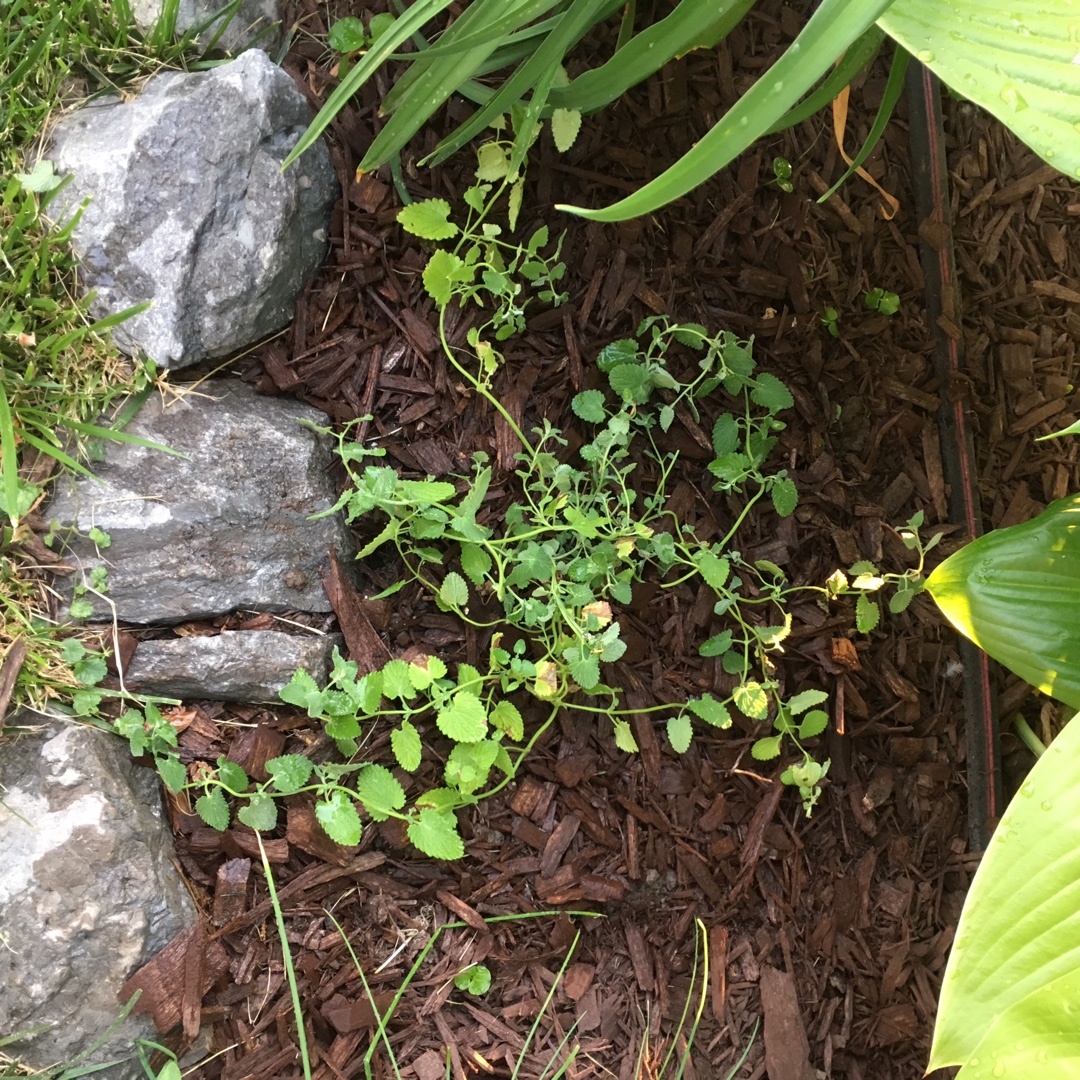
[
  {"x": 475, "y": 979},
  {"x": 568, "y": 554},
  {"x": 482, "y": 266},
  {"x": 888, "y": 303},
  {"x": 782, "y": 174},
  {"x": 349, "y": 37},
  {"x": 831, "y": 321}
]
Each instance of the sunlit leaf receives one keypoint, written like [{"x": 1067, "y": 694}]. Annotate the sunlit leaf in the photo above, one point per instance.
[{"x": 1015, "y": 592}]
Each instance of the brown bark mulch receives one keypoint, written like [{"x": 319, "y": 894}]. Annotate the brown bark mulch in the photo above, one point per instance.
[{"x": 834, "y": 929}]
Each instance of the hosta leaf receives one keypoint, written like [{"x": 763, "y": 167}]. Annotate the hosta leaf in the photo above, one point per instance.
[
  {"x": 436, "y": 835},
  {"x": 1016, "y": 593},
  {"x": 379, "y": 791},
  {"x": 1016, "y": 60},
  {"x": 405, "y": 741},
  {"x": 680, "y": 730},
  {"x": 463, "y": 718},
  {"x": 1014, "y": 970},
  {"x": 339, "y": 819}
]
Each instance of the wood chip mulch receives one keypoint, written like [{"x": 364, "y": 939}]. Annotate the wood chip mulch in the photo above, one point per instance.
[{"x": 833, "y": 930}]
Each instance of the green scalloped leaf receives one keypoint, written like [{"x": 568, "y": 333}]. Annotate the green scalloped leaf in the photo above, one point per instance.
[{"x": 436, "y": 834}]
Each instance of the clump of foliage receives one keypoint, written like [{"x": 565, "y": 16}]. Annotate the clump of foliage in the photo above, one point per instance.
[
  {"x": 568, "y": 554},
  {"x": 581, "y": 532}
]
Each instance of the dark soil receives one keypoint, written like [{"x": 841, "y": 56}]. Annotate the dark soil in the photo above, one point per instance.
[{"x": 836, "y": 928}]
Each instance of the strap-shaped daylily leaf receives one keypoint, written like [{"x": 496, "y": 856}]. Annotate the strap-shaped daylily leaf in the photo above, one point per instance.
[
  {"x": 1016, "y": 593},
  {"x": 421, "y": 12},
  {"x": 831, "y": 29},
  {"x": 1018, "y": 60},
  {"x": 694, "y": 24},
  {"x": 1011, "y": 993},
  {"x": 536, "y": 73}
]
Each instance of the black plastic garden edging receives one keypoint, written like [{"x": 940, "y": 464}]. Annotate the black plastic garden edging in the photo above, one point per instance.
[{"x": 944, "y": 313}]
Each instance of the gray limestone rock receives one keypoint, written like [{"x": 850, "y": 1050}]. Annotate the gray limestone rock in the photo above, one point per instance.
[
  {"x": 255, "y": 21},
  {"x": 224, "y": 527},
  {"x": 243, "y": 665},
  {"x": 189, "y": 209},
  {"x": 87, "y": 891}
]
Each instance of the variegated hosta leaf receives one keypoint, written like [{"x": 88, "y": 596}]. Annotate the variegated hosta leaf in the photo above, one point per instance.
[
  {"x": 1011, "y": 994},
  {"x": 1019, "y": 60},
  {"x": 1016, "y": 593}
]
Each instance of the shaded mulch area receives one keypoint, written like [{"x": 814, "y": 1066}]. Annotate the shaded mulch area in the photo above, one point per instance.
[{"x": 835, "y": 928}]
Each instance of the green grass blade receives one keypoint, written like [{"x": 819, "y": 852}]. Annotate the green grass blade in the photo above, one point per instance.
[
  {"x": 19, "y": 72},
  {"x": 119, "y": 436},
  {"x": 9, "y": 460},
  {"x": 286, "y": 955},
  {"x": 693, "y": 24},
  {"x": 416, "y": 16},
  {"x": 536, "y": 73},
  {"x": 1016, "y": 60},
  {"x": 830, "y": 30},
  {"x": 57, "y": 454},
  {"x": 745, "y": 1054},
  {"x": 858, "y": 56},
  {"x": 893, "y": 89},
  {"x": 509, "y": 20}
]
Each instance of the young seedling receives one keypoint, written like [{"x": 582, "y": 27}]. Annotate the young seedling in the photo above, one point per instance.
[
  {"x": 782, "y": 174},
  {"x": 831, "y": 321},
  {"x": 883, "y": 301}
]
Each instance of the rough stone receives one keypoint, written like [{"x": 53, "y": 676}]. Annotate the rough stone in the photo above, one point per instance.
[
  {"x": 223, "y": 528},
  {"x": 87, "y": 891},
  {"x": 188, "y": 207},
  {"x": 242, "y": 665},
  {"x": 255, "y": 21}
]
